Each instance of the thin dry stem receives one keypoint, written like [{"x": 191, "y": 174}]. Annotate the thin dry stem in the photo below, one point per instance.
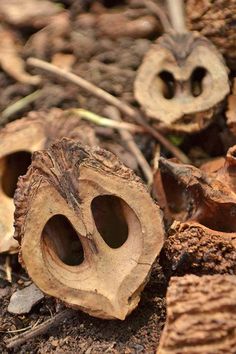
[
  {"x": 177, "y": 16},
  {"x": 122, "y": 106},
  {"x": 159, "y": 12},
  {"x": 18, "y": 106},
  {"x": 134, "y": 149},
  {"x": 39, "y": 330},
  {"x": 106, "y": 122}
]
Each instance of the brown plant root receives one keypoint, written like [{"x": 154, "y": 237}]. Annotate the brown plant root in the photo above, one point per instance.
[
  {"x": 201, "y": 316},
  {"x": 88, "y": 222}
]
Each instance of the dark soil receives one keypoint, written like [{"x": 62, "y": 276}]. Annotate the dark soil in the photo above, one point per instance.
[{"x": 139, "y": 333}]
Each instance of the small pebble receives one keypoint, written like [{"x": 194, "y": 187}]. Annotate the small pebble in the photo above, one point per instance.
[{"x": 23, "y": 300}]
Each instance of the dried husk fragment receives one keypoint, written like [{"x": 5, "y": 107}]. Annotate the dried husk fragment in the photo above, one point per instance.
[
  {"x": 201, "y": 316},
  {"x": 202, "y": 238},
  {"x": 18, "y": 140},
  {"x": 231, "y": 110},
  {"x": 182, "y": 81},
  {"x": 215, "y": 20},
  {"x": 88, "y": 222}
]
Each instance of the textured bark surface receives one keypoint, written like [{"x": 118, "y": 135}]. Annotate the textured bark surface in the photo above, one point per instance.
[
  {"x": 181, "y": 82},
  {"x": 109, "y": 221},
  {"x": 193, "y": 248},
  {"x": 215, "y": 20},
  {"x": 201, "y": 316},
  {"x": 18, "y": 140}
]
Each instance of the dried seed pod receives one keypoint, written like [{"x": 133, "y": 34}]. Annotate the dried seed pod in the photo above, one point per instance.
[
  {"x": 215, "y": 20},
  {"x": 204, "y": 240},
  {"x": 88, "y": 222},
  {"x": 201, "y": 316},
  {"x": 181, "y": 82},
  {"x": 17, "y": 142}
]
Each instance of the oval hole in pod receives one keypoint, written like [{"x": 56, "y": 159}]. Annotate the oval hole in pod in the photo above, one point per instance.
[
  {"x": 109, "y": 216},
  {"x": 14, "y": 165},
  {"x": 60, "y": 237},
  {"x": 196, "y": 81},
  {"x": 168, "y": 84}
]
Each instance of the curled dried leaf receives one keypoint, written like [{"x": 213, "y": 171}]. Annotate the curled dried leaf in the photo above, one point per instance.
[
  {"x": 28, "y": 12},
  {"x": 11, "y": 61}
]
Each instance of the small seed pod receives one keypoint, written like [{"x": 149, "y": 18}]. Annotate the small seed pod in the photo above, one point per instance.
[
  {"x": 18, "y": 140},
  {"x": 85, "y": 225},
  {"x": 201, "y": 316},
  {"x": 202, "y": 238},
  {"x": 181, "y": 82}
]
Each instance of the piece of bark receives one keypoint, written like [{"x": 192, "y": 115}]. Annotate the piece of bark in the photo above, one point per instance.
[
  {"x": 18, "y": 140},
  {"x": 215, "y": 20},
  {"x": 182, "y": 82},
  {"x": 203, "y": 241},
  {"x": 201, "y": 316},
  {"x": 88, "y": 222},
  {"x": 193, "y": 248}
]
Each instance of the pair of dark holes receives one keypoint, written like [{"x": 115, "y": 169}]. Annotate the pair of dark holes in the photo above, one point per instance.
[
  {"x": 108, "y": 214},
  {"x": 169, "y": 82}
]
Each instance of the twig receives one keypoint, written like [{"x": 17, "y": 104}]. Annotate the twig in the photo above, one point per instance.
[
  {"x": 106, "y": 122},
  {"x": 129, "y": 140},
  {"x": 22, "y": 329},
  {"x": 177, "y": 15},
  {"x": 157, "y": 10},
  {"x": 122, "y": 106},
  {"x": 39, "y": 330},
  {"x": 18, "y": 106}
]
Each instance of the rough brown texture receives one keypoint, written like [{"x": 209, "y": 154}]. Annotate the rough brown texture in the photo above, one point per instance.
[
  {"x": 215, "y": 20},
  {"x": 17, "y": 141},
  {"x": 204, "y": 203},
  {"x": 201, "y": 316},
  {"x": 110, "y": 214},
  {"x": 193, "y": 248},
  {"x": 181, "y": 82}
]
